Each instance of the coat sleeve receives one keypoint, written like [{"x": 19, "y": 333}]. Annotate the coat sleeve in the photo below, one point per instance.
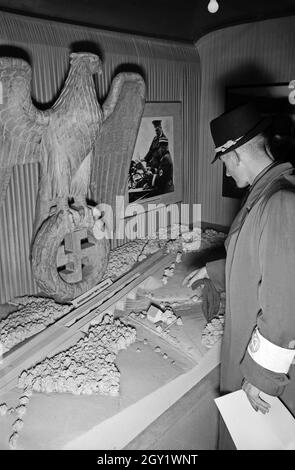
[
  {"x": 276, "y": 291},
  {"x": 164, "y": 174},
  {"x": 149, "y": 155},
  {"x": 216, "y": 272}
]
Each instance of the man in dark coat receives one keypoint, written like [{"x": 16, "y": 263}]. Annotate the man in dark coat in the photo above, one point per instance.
[
  {"x": 258, "y": 274},
  {"x": 163, "y": 179},
  {"x": 152, "y": 158}
]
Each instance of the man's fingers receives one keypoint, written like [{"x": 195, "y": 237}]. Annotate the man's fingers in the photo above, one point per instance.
[
  {"x": 252, "y": 403},
  {"x": 253, "y": 395},
  {"x": 258, "y": 404},
  {"x": 192, "y": 281},
  {"x": 196, "y": 277},
  {"x": 260, "y": 408},
  {"x": 262, "y": 405},
  {"x": 188, "y": 278}
]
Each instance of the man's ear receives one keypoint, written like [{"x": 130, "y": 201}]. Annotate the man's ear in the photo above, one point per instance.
[{"x": 235, "y": 157}]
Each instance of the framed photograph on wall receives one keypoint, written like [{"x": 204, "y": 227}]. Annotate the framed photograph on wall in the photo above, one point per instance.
[
  {"x": 155, "y": 173},
  {"x": 271, "y": 100}
]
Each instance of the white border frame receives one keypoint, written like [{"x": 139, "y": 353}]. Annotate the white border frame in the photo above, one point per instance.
[{"x": 160, "y": 110}]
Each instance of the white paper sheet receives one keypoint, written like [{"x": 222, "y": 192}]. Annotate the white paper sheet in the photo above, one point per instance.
[{"x": 251, "y": 430}]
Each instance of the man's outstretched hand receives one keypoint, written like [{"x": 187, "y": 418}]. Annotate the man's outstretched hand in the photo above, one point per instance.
[
  {"x": 211, "y": 298},
  {"x": 195, "y": 276},
  {"x": 253, "y": 396}
]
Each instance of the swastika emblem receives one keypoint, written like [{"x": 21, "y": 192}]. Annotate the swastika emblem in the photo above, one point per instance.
[{"x": 76, "y": 255}]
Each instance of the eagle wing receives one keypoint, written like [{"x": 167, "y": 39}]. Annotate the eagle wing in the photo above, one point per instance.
[
  {"x": 122, "y": 112},
  {"x": 21, "y": 124}
]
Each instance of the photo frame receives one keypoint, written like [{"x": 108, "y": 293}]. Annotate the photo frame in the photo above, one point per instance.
[
  {"x": 155, "y": 174},
  {"x": 271, "y": 100}
]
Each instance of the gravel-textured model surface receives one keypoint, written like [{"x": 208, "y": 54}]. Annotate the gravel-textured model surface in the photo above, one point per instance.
[
  {"x": 88, "y": 366},
  {"x": 34, "y": 314}
]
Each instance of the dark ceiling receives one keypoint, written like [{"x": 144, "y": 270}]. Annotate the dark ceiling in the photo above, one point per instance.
[{"x": 184, "y": 20}]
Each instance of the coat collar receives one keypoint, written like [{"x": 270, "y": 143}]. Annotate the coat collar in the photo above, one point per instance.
[{"x": 260, "y": 186}]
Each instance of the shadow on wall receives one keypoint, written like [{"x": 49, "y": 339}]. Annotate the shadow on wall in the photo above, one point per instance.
[
  {"x": 196, "y": 260},
  {"x": 87, "y": 46},
  {"x": 248, "y": 73},
  {"x": 130, "y": 68},
  {"x": 15, "y": 52},
  {"x": 280, "y": 135}
]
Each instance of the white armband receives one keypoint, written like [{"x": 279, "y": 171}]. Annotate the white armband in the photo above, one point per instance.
[{"x": 269, "y": 355}]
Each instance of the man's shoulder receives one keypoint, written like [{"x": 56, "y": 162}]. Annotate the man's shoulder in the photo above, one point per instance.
[
  {"x": 282, "y": 187},
  {"x": 280, "y": 201},
  {"x": 278, "y": 197}
]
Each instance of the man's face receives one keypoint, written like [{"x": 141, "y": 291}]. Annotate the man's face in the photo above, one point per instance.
[
  {"x": 235, "y": 169},
  {"x": 158, "y": 130},
  {"x": 162, "y": 149}
]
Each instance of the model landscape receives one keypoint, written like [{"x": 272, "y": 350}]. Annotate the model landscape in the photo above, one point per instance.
[
  {"x": 33, "y": 314},
  {"x": 89, "y": 366}
]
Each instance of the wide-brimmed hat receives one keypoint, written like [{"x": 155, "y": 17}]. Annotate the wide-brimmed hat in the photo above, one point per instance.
[{"x": 234, "y": 128}]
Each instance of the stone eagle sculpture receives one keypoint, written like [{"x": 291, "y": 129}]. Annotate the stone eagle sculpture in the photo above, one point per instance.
[{"x": 84, "y": 151}]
